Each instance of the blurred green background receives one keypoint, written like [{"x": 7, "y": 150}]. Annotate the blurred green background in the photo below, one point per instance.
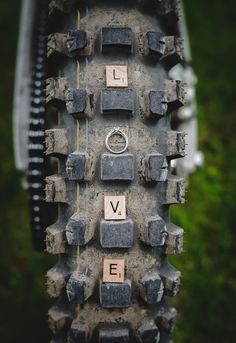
[{"x": 207, "y": 300}]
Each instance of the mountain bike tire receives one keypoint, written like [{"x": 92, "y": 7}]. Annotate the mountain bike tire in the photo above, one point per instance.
[{"x": 108, "y": 135}]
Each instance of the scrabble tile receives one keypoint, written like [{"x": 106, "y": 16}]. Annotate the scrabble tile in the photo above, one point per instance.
[
  {"x": 116, "y": 76},
  {"x": 113, "y": 270},
  {"x": 115, "y": 207}
]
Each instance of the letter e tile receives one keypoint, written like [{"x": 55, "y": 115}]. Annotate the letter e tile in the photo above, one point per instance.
[{"x": 113, "y": 270}]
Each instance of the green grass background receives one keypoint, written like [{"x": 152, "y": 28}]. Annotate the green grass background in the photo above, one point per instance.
[{"x": 207, "y": 300}]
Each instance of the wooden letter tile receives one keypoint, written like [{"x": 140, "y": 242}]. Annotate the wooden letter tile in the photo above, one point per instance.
[
  {"x": 117, "y": 76},
  {"x": 113, "y": 270},
  {"x": 115, "y": 207}
]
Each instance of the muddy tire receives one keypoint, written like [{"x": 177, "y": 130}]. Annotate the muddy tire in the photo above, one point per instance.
[{"x": 108, "y": 136}]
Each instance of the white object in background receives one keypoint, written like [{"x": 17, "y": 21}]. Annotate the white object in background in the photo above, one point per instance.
[
  {"x": 23, "y": 85},
  {"x": 188, "y": 114}
]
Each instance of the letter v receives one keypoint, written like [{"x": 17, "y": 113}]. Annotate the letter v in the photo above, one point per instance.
[{"x": 116, "y": 208}]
